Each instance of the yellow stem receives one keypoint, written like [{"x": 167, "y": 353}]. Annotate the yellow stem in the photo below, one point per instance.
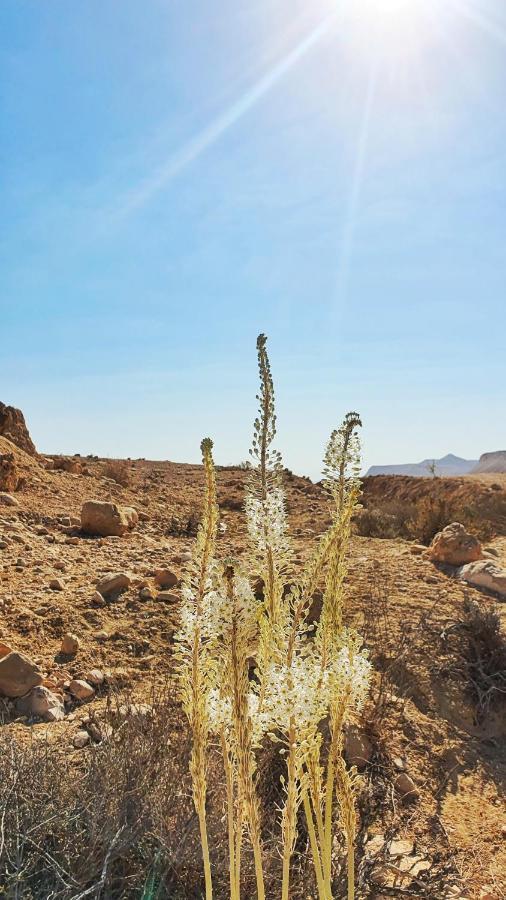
[
  {"x": 327, "y": 846},
  {"x": 351, "y": 870},
  {"x": 230, "y": 816},
  {"x": 205, "y": 854},
  {"x": 322, "y": 893}
]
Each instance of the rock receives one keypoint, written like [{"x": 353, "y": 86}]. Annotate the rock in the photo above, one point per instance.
[
  {"x": 132, "y": 516},
  {"x": 13, "y": 427},
  {"x": 18, "y": 675},
  {"x": 400, "y": 848},
  {"x": 81, "y": 739},
  {"x": 455, "y": 546},
  {"x": 69, "y": 644},
  {"x": 139, "y": 712},
  {"x": 107, "y": 519},
  {"x": 80, "y": 689},
  {"x": 43, "y": 703},
  {"x": 167, "y": 597},
  {"x": 56, "y": 585},
  {"x": 165, "y": 578},
  {"x": 417, "y": 549},
  {"x": 357, "y": 747},
  {"x": 97, "y": 599},
  {"x": 67, "y": 464},
  {"x": 8, "y": 500},
  {"x": 375, "y": 845},
  {"x": 406, "y": 787},
  {"x": 95, "y": 677},
  {"x": 486, "y": 574},
  {"x": 113, "y": 584},
  {"x": 9, "y": 476}
]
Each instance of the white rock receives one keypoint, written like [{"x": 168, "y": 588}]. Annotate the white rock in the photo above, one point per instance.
[
  {"x": 80, "y": 689},
  {"x": 81, "y": 739},
  {"x": 486, "y": 574}
]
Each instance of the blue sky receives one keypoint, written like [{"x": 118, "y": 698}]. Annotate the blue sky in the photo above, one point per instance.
[{"x": 179, "y": 176}]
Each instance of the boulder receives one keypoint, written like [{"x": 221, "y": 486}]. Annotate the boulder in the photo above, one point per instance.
[
  {"x": 13, "y": 427},
  {"x": 68, "y": 464},
  {"x": 165, "y": 578},
  {"x": 486, "y": 574},
  {"x": 113, "y": 584},
  {"x": 80, "y": 689},
  {"x": 8, "y": 500},
  {"x": 18, "y": 675},
  {"x": 95, "y": 677},
  {"x": 455, "y": 546},
  {"x": 9, "y": 476},
  {"x": 69, "y": 644},
  {"x": 107, "y": 519},
  {"x": 43, "y": 703},
  {"x": 406, "y": 787},
  {"x": 357, "y": 748}
]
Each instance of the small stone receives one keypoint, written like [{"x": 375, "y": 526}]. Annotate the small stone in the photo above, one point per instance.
[
  {"x": 80, "y": 689},
  {"x": 147, "y": 593},
  {"x": 97, "y": 599},
  {"x": 406, "y": 787},
  {"x": 56, "y": 585},
  {"x": 102, "y": 636},
  {"x": 59, "y": 565},
  {"x": 8, "y": 500},
  {"x": 167, "y": 597},
  {"x": 357, "y": 748},
  {"x": 165, "y": 578},
  {"x": 375, "y": 845},
  {"x": 113, "y": 584},
  {"x": 400, "y": 848},
  {"x": 69, "y": 644},
  {"x": 81, "y": 739},
  {"x": 95, "y": 677}
]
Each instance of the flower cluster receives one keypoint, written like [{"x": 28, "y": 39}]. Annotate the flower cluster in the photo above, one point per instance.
[
  {"x": 267, "y": 521},
  {"x": 298, "y": 692},
  {"x": 351, "y": 675}
]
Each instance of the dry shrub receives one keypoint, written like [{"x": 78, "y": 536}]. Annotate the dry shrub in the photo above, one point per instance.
[
  {"x": 479, "y": 655},
  {"x": 422, "y": 520},
  {"x": 184, "y": 525},
  {"x": 118, "y": 470},
  {"x": 112, "y": 821}
]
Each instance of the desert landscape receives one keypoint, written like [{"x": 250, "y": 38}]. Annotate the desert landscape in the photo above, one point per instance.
[
  {"x": 89, "y": 601},
  {"x": 252, "y": 619}
]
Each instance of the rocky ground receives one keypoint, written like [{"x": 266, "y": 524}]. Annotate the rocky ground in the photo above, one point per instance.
[{"x": 433, "y": 759}]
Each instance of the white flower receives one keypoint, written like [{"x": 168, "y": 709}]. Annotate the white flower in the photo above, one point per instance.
[
  {"x": 299, "y": 692},
  {"x": 352, "y": 673},
  {"x": 267, "y": 520}
]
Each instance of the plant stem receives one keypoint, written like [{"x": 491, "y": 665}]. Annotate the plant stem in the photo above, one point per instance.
[
  {"x": 230, "y": 817},
  {"x": 290, "y": 811},
  {"x": 327, "y": 846},
  {"x": 322, "y": 893},
  {"x": 205, "y": 854}
]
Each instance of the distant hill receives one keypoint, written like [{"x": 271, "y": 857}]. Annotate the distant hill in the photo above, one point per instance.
[
  {"x": 447, "y": 465},
  {"x": 491, "y": 462}
]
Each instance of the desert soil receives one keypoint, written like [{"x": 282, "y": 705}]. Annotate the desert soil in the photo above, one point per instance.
[{"x": 423, "y": 720}]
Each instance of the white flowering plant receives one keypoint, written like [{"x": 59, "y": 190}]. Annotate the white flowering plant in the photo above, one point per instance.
[{"x": 252, "y": 669}]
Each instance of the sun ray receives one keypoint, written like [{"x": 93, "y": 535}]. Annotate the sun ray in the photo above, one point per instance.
[
  {"x": 350, "y": 226},
  {"x": 212, "y": 132},
  {"x": 467, "y": 11}
]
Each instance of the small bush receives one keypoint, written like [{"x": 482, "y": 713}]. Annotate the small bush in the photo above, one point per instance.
[{"x": 486, "y": 655}]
